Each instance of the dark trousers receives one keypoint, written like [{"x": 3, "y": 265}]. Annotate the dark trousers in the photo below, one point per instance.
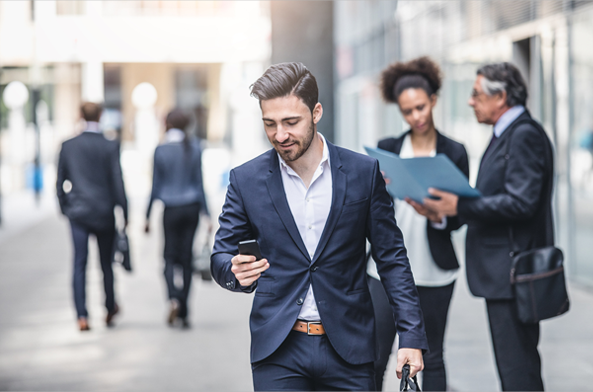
[
  {"x": 80, "y": 238},
  {"x": 180, "y": 224},
  {"x": 434, "y": 302},
  {"x": 310, "y": 363},
  {"x": 515, "y": 348}
]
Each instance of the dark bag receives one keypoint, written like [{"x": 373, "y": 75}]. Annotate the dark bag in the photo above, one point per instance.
[
  {"x": 202, "y": 262},
  {"x": 121, "y": 250},
  {"x": 407, "y": 383},
  {"x": 538, "y": 281}
]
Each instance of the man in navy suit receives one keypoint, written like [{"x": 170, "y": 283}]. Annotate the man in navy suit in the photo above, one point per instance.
[{"x": 312, "y": 206}]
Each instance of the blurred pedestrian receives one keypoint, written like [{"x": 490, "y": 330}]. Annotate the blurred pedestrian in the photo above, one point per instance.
[
  {"x": 177, "y": 181},
  {"x": 311, "y": 206},
  {"x": 89, "y": 186},
  {"x": 514, "y": 214},
  {"x": 413, "y": 86}
]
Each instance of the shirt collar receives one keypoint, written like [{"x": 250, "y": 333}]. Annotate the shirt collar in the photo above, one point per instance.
[
  {"x": 507, "y": 118},
  {"x": 324, "y": 158},
  {"x": 174, "y": 135},
  {"x": 92, "y": 126}
]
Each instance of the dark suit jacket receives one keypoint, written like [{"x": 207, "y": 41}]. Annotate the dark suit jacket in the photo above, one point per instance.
[
  {"x": 256, "y": 208},
  {"x": 439, "y": 241},
  {"x": 517, "y": 194},
  {"x": 91, "y": 163}
]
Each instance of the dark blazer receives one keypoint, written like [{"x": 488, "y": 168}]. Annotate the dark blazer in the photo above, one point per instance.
[
  {"x": 91, "y": 163},
  {"x": 439, "y": 241},
  {"x": 517, "y": 195},
  {"x": 256, "y": 208}
]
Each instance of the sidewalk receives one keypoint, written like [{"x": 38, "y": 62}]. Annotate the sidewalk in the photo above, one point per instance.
[{"x": 41, "y": 349}]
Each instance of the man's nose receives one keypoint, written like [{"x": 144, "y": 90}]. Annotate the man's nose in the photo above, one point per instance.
[
  {"x": 281, "y": 134},
  {"x": 471, "y": 102}
]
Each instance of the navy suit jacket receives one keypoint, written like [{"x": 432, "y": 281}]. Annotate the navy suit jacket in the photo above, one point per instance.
[
  {"x": 256, "y": 208},
  {"x": 516, "y": 179}
]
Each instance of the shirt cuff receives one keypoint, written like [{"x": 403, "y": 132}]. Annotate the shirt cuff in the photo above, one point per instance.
[{"x": 439, "y": 226}]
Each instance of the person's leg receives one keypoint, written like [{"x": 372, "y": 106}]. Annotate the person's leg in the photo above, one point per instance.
[
  {"x": 385, "y": 329},
  {"x": 333, "y": 373},
  {"x": 515, "y": 347},
  {"x": 287, "y": 369},
  {"x": 188, "y": 232},
  {"x": 105, "y": 240},
  {"x": 80, "y": 239},
  {"x": 170, "y": 224},
  {"x": 435, "y": 302}
]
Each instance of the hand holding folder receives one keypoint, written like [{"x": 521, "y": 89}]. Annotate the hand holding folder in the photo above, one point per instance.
[{"x": 411, "y": 178}]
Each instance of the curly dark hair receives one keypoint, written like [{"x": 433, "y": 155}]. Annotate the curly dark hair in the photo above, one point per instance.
[{"x": 418, "y": 73}]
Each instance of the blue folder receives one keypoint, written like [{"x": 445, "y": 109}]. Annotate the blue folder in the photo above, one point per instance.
[{"x": 412, "y": 177}]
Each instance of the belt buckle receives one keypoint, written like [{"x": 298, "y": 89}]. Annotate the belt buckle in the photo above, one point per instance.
[{"x": 309, "y": 327}]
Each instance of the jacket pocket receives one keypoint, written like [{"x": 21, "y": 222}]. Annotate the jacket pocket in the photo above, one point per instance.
[{"x": 265, "y": 286}]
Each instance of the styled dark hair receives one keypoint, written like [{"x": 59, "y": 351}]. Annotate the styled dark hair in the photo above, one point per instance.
[
  {"x": 91, "y": 111},
  {"x": 418, "y": 73},
  {"x": 177, "y": 119},
  {"x": 504, "y": 77},
  {"x": 281, "y": 80}
]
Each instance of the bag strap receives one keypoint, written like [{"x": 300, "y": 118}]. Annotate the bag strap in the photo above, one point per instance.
[{"x": 531, "y": 121}]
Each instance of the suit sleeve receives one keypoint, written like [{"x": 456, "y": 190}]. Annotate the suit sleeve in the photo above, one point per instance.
[
  {"x": 523, "y": 180},
  {"x": 62, "y": 176},
  {"x": 156, "y": 183},
  {"x": 234, "y": 227},
  {"x": 118, "y": 181},
  {"x": 389, "y": 252}
]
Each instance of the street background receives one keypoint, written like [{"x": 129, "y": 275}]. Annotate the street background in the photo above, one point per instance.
[{"x": 143, "y": 58}]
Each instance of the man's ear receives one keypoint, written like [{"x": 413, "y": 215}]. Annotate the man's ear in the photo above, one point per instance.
[
  {"x": 317, "y": 113},
  {"x": 501, "y": 98}
]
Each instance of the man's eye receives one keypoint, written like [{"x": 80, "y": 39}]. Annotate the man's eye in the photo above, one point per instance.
[
  {"x": 420, "y": 108},
  {"x": 269, "y": 124},
  {"x": 407, "y": 112},
  {"x": 291, "y": 123}
]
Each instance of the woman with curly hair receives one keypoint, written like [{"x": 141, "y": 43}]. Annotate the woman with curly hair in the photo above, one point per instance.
[{"x": 413, "y": 86}]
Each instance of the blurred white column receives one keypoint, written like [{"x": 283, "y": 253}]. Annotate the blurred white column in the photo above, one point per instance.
[
  {"x": 146, "y": 126},
  {"x": 15, "y": 97},
  {"x": 92, "y": 81}
]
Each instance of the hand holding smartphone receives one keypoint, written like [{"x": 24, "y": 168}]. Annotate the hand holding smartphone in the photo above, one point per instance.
[
  {"x": 245, "y": 271},
  {"x": 250, "y": 248}
]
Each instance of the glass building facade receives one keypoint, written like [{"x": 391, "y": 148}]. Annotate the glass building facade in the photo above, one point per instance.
[{"x": 548, "y": 40}]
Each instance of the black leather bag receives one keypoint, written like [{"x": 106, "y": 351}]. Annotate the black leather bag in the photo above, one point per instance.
[
  {"x": 408, "y": 383},
  {"x": 538, "y": 280},
  {"x": 121, "y": 250}
]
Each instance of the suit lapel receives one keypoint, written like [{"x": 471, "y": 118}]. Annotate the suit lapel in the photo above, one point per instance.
[
  {"x": 501, "y": 142},
  {"x": 441, "y": 144},
  {"x": 276, "y": 190},
  {"x": 338, "y": 195}
]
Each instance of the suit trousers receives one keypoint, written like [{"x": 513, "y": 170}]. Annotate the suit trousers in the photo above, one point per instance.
[
  {"x": 310, "y": 363},
  {"x": 434, "y": 302},
  {"x": 180, "y": 224},
  {"x": 105, "y": 240},
  {"x": 515, "y": 347}
]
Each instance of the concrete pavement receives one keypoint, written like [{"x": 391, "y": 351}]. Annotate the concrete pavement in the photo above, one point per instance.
[{"x": 41, "y": 349}]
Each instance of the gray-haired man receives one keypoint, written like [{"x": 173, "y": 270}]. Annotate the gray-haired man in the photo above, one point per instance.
[{"x": 516, "y": 181}]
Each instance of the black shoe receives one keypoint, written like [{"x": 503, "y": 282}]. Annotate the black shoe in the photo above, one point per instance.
[
  {"x": 110, "y": 315},
  {"x": 173, "y": 311},
  {"x": 185, "y": 324}
]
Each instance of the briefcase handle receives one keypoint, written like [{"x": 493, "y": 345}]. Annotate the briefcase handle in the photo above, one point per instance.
[{"x": 407, "y": 383}]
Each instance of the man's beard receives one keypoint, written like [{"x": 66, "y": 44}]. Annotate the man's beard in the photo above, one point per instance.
[{"x": 302, "y": 146}]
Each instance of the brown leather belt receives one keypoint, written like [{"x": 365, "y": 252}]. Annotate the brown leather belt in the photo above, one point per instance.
[{"x": 310, "y": 328}]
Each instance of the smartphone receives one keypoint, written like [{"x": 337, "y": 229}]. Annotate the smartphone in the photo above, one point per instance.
[{"x": 250, "y": 248}]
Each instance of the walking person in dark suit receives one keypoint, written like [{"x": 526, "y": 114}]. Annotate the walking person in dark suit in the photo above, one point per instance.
[
  {"x": 89, "y": 186},
  {"x": 413, "y": 86},
  {"x": 177, "y": 182},
  {"x": 312, "y": 206},
  {"x": 516, "y": 180}
]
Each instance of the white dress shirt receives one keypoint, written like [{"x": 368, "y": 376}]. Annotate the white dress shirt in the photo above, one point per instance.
[
  {"x": 93, "y": 127},
  {"x": 413, "y": 226},
  {"x": 174, "y": 135},
  {"x": 310, "y": 209}
]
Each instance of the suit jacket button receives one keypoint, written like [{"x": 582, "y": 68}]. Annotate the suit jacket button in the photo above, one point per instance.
[
  {"x": 300, "y": 301},
  {"x": 314, "y": 268}
]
